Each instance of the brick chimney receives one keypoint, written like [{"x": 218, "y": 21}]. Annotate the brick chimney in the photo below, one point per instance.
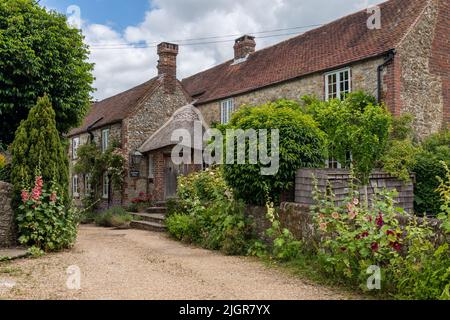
[
  {"x": 167, "y": 65},
  {"x": 244, "y": 46}
]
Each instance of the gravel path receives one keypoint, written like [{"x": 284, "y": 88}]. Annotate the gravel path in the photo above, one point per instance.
[{"x": 133, "y": 264}]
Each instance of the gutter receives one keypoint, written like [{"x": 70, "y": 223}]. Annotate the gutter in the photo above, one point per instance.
[{"x": 387, "y": 60}]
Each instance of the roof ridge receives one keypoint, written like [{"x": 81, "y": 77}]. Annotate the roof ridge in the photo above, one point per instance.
[{"x": 326, "y": 25}]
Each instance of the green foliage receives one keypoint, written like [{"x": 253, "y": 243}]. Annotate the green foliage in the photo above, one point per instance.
[
  {"x": 399, "y": 158},
  {"x": 354, "y": 237},
  {"x": 38, "y": 145},
  {"x": 40, "y": 54},
  {"x": 400, "y": 155},
  {"x": 301, "y": 145},
  {"x": 355, "y": 125},
  {"x": 284, "y": 247},
  {"x": 115, "y": 217},
  {"x": 427, "y": 168},
  {"x": 5, "y": 173},
  {"x": 93, "y": 162},
  {"x": 43, "y": 220},
  {"x": 444, "y": 192},
  {"x": 183, "y": 227},
  {"x": 207, "y": 215}
]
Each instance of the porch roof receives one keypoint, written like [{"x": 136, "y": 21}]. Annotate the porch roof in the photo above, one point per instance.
[{"x": 185, "y": 118}]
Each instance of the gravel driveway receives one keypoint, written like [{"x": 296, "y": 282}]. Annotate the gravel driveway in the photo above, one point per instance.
[{"x": 133, "y": 264}]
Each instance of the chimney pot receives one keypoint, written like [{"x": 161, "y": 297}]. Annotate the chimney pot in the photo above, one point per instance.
[{"x": 244, "y": 46}]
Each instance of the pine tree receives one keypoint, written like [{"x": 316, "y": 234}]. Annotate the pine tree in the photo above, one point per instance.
[{"x": 37, "y": 148}]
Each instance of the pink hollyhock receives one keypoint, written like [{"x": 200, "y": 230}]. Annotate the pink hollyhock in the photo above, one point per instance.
[
  {"x": 335, "y": 215},
  {"x": 39, "y": 182},
  {"x": 323, "y": 226},
  {"x": 350, "y": 207},
  {"x": 25, "y": 196},
  {"x": 355, "y": 201},
  {"x": 352, "y": 215},
  {"x": 375, "y": 246}
]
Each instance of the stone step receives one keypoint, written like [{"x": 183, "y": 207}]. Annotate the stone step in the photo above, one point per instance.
[
  {"x": 160, "y": 210},
  {"x": 159, "y": 203},
  {"x": 150, "y": 217},
  {"x": 148, "y": 226}
]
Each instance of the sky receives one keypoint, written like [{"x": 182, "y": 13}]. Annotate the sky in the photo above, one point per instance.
[{"x": 123, "y": 34}]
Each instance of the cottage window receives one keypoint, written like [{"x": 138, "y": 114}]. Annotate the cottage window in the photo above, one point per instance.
[
  {"x": 105, "y": 139},
  {"x": 337, "y": 84},
  {"x": 151, "y": 167},
  {"x": 75, "y": 145},
  {"x": 75, "y": 187},
  {"x": 226, "y": 110},
  {"x": 87, "y": 184},
  {"x": 105, "y": 186}
]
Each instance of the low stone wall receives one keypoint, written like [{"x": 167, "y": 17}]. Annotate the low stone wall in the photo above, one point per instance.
[
  {"x": 299, "y": 220},
  {"x": 340, "y": 182},
  {"x": 7, "y": 226}
]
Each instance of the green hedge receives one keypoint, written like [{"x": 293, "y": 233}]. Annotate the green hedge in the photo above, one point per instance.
[{"x": 427, "y": 168}]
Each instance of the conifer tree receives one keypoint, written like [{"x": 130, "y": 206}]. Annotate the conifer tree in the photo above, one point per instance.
[{"x": 37, "y": 147}]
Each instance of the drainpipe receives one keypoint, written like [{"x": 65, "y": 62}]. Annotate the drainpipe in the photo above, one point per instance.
[
  {"x": 387, "y": 60},
  {"x": 89, "y": 129}
]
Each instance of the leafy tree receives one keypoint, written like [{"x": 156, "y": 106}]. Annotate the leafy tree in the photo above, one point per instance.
[
  {"x": 354, "y": 126},
  {"x": 302, "y": 145},
  {"x": 37, "y": 146},
  {"x": 40, "y": 54}
]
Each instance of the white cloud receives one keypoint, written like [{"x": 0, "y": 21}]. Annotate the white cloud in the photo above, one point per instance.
[{"x": 120, "y": 69}]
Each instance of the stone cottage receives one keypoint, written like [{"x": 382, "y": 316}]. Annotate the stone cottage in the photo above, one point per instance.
[{"x": 404, "y": 63}]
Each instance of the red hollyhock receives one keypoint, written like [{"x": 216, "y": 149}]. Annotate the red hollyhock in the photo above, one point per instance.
[
  {"x": 375, "y": 246},
  {"x": 379, "y": 221}
]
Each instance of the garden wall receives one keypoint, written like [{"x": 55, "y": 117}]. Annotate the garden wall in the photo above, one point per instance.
[
  {"x": 340, "y": 179},
  {"x": 299, "y": 220},
  {"x": 7, "y": 227}
]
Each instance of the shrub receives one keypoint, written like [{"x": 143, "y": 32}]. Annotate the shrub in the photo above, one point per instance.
[
  {"x": 2, "y": 161},
  {"x": 115, "y": 217},
  {"x": 302, "y": 144},
  {"x": 183, "y": 227},
  {"x": 356, "y": 126},
  {"x": 43, "y": 220},
  {"x": 5, "y": 173},
  {"x": 207, "y": 215},
  {"x": 427, "y": 168},
  {"x": 355, "y": 237},
  {"x": 38, "y": 145}
]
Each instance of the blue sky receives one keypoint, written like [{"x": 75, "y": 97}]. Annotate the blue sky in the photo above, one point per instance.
[
  {"x": 107, "y": 24},
  {"x": 116, "y": 13}
]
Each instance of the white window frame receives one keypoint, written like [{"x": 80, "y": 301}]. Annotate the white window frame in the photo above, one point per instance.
[
  {"x": 87, "y": 185},
  {"x": 75, "y": 145},
  {"x": 151, "y": 167},
  {"x": 75, "y": 186},
  {"x": 339, "y": 92},
  {"x": 105, "y": 186},
  {"x": 226, "y": 110},
  {"x": 105, "y": 139}
]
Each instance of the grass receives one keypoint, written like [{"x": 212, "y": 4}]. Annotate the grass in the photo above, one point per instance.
[
  {"x": 115, "y": 217},
  {"x": 12, "y": 271}
]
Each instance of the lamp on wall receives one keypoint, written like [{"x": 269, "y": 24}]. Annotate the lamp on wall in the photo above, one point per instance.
[{"x": 136, "y": 158}]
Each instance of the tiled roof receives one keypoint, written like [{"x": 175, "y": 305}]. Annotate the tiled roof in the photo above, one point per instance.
[
  {"x": 333, "y": 45},
  {"x": 116, "y": 108}
]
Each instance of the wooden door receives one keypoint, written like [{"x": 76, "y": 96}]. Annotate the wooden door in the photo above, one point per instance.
[{"x": 171, "y": 173}]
